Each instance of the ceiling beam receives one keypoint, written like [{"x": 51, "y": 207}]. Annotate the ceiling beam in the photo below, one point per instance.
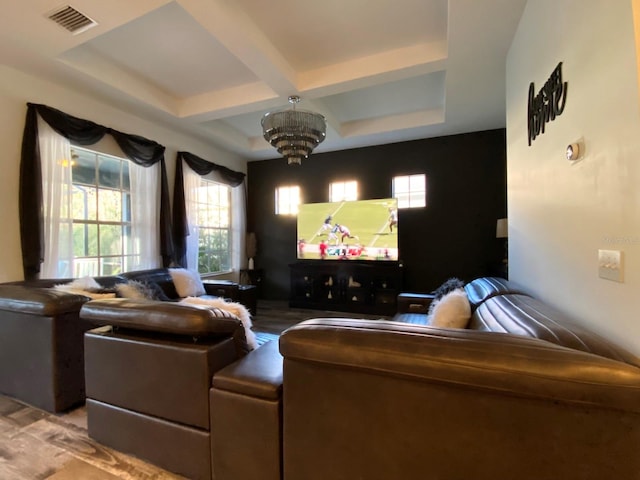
[
  {"x": 233, "y": 28},
  {"x": 390, "y": 123},
  {"x": 228, "y": 102},
  {"x": 375, "y": 69}
]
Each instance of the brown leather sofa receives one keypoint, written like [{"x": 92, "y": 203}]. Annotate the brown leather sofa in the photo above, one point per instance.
[
  {"x": 41, "y": 336},
  {"x": 523, "y": 392}
]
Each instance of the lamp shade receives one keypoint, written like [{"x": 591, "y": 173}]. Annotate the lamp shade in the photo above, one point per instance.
[{"x": 502, "y": 228}]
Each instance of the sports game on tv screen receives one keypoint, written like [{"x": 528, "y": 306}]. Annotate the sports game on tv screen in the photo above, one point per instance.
[{"x": 353, "y": 230}]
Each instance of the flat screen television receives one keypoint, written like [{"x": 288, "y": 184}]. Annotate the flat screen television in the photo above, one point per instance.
[{"x": 349, "y": 230}]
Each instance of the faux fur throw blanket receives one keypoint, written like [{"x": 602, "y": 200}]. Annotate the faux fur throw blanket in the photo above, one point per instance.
[{"x": 234, "y": 308}]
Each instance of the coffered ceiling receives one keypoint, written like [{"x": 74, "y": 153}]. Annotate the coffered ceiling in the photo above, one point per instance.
[{"x": 380, "y": 71}]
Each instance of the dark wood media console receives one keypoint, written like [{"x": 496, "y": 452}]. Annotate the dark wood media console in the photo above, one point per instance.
[{"x": 346, "y": 286}]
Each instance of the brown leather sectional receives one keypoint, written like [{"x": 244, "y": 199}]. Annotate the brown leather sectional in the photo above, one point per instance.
[
  {"x": 523, "y": 392},
  {"x": 41, "y": 336}
]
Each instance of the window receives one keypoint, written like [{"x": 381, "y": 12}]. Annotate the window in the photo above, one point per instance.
[
  {"x": 100, "y": 211},
  {"x": 410, "y": 190},
  {"x": 213, "y": 222},
  {"x": 287, "y": 200},
  {"x": 341, "y": 191},
  {"x": 101, "y": 214}
]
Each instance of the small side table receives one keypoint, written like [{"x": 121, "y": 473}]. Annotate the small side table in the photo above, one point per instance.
[
  {"x": 221, "y": 288},
  {"x": 247, "y": 297},
  {"x": 253, "y": 277},
  {"x": 244, "y": 294}
]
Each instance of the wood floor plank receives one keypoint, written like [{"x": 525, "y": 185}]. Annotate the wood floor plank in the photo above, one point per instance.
[
  {"x": 75, "y": 442},
  {"x": 26, "y": 416},
  {"x": 79, "y": 470},
  {"x": 24, "y": 457},
  {"x": 77, "y": 417},
  {"x": 8, "y": 405}
]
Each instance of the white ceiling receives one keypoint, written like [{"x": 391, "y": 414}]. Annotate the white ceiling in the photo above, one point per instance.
[{"x": 380, "y": 71}]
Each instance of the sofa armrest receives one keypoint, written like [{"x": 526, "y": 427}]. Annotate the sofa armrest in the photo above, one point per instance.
[
  {"x": 161, "y": 317},
  {"x": 414, "y": 302},
  {"x": 39, "y": 301},
  {"x": 502, "y": 363},
  {"x": 257, "y": 375}
]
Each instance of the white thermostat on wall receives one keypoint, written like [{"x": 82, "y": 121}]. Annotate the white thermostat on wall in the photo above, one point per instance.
[{"x": 573, "y": 151}]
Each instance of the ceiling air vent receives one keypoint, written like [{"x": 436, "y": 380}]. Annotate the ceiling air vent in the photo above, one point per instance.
[{"x": 71, "y": 19}]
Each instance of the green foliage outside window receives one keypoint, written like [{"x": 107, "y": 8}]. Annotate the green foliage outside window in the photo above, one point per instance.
[
  {"x": 213, "y": 212},
  {"x": 101, "y": 213}
]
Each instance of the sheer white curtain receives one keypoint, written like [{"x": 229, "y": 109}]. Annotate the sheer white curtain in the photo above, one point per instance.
[
  {"x": 145, "y": 216},
  {"x": 57, "y": 189},
  {"x": 192, "y": 182},
  {"x": 191, "y": 186}
]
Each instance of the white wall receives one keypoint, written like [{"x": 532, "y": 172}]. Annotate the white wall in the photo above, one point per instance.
[
  {"x": 16, "y": 89},
  {"x": 561, "y": 213}
]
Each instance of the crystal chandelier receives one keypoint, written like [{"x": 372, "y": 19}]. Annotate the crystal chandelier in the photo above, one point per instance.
[{"x": 294, "y": 133}]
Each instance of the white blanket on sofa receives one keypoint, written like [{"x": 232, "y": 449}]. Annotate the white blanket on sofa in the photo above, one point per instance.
[{"x": 234, "y": 308}]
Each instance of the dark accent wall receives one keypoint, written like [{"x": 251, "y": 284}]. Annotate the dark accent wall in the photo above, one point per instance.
[{"x": 454, "y": 235}]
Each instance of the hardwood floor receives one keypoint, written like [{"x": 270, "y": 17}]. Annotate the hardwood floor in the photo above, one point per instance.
[{"x": 36, "y": 445}]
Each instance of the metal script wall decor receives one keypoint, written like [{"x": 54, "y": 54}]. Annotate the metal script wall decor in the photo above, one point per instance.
[{"x": 547, "y": 104}]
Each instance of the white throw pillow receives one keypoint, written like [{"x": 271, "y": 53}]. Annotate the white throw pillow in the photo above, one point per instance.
[
  {"x": 187, "y": 282},
  {"x": 452, "y": 311}
]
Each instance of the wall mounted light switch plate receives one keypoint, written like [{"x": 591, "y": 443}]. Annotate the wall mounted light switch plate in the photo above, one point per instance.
[{"x": 610, "y": 265}]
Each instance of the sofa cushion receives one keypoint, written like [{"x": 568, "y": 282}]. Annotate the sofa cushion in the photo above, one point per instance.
[
  {"x": 451, "y": 311},
  {"x": 483, "y": 288},
  {"x": 527, "y": 316},
  {"x": 188, "y": 282},
  {"x": 258, "y": 375}
]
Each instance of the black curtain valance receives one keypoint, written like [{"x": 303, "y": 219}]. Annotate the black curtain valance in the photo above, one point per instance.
[
  {"x": 139, "y": 150},
  {"x": 204, "y": 167},
  {"x": 180, "y": 223}
]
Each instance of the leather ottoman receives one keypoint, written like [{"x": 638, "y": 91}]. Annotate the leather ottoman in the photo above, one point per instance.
[{"x": 246, "y": 417}]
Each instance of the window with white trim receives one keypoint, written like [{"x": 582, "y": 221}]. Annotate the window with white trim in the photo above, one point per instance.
[
  {"x": 213, "y": 221},
  {"x": 343, "y": 191},
  {"x": 101, "y": 214},
  {"x": 287, "y": 200},
  {"x": 410, "y": 190}
]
